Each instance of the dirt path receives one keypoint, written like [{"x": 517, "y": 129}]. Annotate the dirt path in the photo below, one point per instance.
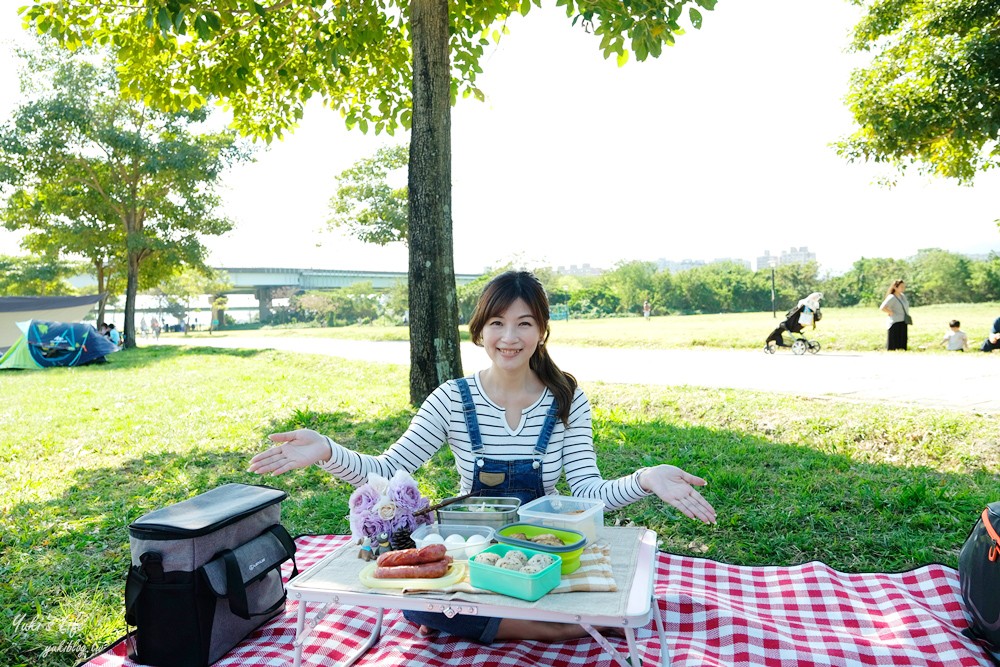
[{"x": 959, "y": 381}]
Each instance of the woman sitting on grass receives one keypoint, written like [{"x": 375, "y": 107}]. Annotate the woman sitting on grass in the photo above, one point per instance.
[{"x": 513, "y": 428}]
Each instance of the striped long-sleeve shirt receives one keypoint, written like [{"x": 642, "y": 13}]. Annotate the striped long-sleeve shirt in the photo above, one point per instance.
[{"x": 441, "y": 419}]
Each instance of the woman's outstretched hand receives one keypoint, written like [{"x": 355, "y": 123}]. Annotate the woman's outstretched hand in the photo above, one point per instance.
[
  {"x": 676, "y": 487},
  {"x": 293, "y": 449}
]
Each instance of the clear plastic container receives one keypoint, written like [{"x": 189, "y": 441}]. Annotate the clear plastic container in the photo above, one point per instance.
[
  {"x": 510, "y": 582},
  {"x": 581, "y": 514},
  {"x": 573, "y": 542},
  {"x": 481, "y": 536}
]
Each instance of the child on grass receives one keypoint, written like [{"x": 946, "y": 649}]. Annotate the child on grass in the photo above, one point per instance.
[{"x": 955, "y": 339}]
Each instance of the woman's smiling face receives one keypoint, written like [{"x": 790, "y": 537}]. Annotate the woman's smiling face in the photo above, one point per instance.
[{"x": 511, "y": 337}]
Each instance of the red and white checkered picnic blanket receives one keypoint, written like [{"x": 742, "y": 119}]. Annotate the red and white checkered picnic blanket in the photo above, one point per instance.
[{"x": 715, "y": 615}]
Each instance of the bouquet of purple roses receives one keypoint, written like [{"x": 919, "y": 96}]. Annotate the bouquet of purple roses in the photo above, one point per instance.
[{"x": 387, "y": 506}]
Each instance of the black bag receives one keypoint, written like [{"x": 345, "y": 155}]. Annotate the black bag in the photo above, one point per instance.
[
  {"x": 979, "y": 576},
  {"x": 205, "y": 573}
]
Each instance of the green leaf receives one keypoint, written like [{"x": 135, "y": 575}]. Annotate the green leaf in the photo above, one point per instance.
[
  {"x": 213, "y": 21},
  {"x": 201, "y": 27},
  {"x": 695, "y": 17},
  {"x": 163, "y": 20},
  {"x": 623, "y": 58},
  {"x": 707, "y": 4}
]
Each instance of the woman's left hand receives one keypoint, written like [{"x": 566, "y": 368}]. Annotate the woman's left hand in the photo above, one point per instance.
[{"x": 676, "y": 487}]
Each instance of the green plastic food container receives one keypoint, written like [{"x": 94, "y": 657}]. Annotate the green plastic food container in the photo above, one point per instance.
[
  {"x": 573, "y": 542},
  {"x": 528, "y": 587}
]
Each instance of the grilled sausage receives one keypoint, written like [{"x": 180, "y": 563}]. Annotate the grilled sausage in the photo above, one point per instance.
[
  {"x": 431, "y": 570},
  {"x": 428, "y": 554}
]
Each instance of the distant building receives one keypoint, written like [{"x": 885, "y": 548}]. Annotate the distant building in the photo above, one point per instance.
[
  {"x": 674, "y": 267},
  {"x": 582, "y": 270},
  {"x": 686, "y": 264},
  {"x": 791, "y": 256}
]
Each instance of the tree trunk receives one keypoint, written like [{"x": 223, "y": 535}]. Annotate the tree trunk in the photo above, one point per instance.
[
  {"x": 434, "y": 344},
  {"x": 131, "y": 289},
  {"x": 101, "y": 290}
]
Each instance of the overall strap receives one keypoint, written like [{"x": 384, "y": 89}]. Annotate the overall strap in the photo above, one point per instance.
[
  {"x": 471, "y": 421},
  {"x": 550, "y": 423}
]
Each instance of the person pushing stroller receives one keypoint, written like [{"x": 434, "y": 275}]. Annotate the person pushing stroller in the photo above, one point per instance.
[{"x": 806, "y": 312}]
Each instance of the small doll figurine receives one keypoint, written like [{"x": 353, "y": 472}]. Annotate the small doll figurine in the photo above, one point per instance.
[
  {"x": 365, "y": 553},
  {"x": 383, "y": 543}
]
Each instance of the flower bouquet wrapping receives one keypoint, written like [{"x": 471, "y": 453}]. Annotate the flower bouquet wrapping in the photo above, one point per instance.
[{"x": 385, "y": 510}]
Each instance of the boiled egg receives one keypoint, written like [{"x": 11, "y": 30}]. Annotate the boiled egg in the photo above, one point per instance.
[
  {"x": 455, "y": 540},
  {"x": 475, "y": 544},
  {"x": 433, "y": 538}
]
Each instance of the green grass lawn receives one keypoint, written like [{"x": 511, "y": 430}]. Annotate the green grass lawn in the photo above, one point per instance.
[
  {"x": 87, "y": 450},
  {"x": 856, "y": 329}
]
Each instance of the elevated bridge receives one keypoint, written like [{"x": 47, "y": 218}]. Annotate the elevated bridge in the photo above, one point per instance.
[{"x": 263, "y": 282}]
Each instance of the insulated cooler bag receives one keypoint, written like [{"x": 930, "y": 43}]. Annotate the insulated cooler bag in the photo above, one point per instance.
[
  {"x": 205, "y": 573},
  {"x": 979, "y": 576}
]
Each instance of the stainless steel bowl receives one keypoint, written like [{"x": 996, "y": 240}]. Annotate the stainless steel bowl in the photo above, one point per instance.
[{"x": 495, "y": 512}]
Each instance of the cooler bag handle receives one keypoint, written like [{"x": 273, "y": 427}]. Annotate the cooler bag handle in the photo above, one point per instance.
[
  {"x": 230, "y": 572},
  {"x": 237, "y": 590},
  {"x": 151, "y": 566}
]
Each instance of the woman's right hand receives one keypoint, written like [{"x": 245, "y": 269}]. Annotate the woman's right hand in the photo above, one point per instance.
[{"x": 293, "y": 449}]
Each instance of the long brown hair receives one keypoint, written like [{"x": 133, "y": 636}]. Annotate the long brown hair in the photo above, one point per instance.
[
  {"x": 895, "y": 285},
  {"x": 497, "y": 297}
]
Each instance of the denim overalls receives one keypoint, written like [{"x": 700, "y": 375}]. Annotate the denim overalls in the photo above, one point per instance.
[{"x": 521, "y": 478}]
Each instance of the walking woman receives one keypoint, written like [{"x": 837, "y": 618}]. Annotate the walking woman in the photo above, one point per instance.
[
  {"x": 897, "y": 308},
  {"x": 514, "y": 427}
]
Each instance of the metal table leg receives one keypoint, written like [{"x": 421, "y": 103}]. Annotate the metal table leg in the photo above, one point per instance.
[
  {"x": 301, "y": 632},
  {"x": 661, "y": 634}
]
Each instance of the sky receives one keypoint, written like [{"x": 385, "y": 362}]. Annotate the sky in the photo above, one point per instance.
[{"x": 721, "y": 148}]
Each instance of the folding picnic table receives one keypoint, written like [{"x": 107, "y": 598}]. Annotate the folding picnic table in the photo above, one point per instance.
[{"x": 333, "y": 582}]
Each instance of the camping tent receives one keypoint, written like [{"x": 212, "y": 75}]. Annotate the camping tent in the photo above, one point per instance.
[
  {"x": 43, "y": 344},
  {"x": 14, "y": 309}
]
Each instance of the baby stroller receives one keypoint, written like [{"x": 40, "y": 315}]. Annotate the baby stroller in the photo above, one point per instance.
[{"x": 806, "y": 312}]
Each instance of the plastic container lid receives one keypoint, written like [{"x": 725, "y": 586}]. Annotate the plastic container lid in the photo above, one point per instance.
[
  {"x": 565, "y": 512},
  {"x": 566, "y": 508}
]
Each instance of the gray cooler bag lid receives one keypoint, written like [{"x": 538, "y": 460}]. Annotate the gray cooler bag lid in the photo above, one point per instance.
[{"x": 205, "y": 513}]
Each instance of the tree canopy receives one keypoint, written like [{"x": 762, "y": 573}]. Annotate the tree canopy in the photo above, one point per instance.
[
  {"x": 382, "y": 65},
  {"x": 36, "y": 276},
  {"x": 929, "y": 98},
  {"x": 90, "y": 173},
  {"x": 266, "y": 59},
  {"x": 367, "y": 205}
]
